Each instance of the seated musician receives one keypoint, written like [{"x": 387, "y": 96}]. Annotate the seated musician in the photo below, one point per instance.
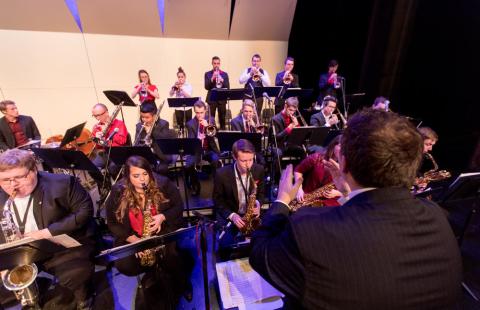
[
  {"x": 160, "y": 130},
  {"x": 115, "y": 135},
  {"x": 197, "y": 128},
  {"x": 15, "y": 129},
  {"x": 430, "y": 138},
  {"x": 326, "y": 117},
  {"x": 232, "y": 187},
  {"x": 125, "y": 216},
  {"x": 47, "y": 205},
  {"x": 314, "y": 174}
]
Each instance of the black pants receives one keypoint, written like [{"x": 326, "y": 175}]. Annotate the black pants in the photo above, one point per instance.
[{"x": 222, "y": 111}]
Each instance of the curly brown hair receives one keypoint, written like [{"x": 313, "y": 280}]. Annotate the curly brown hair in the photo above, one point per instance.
[{"x": 130, "y": 198}]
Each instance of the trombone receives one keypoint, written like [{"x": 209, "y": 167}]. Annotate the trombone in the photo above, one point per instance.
[
  {"x": 259, "y": 128},
  {"x": 297, "y": 114},
  {"x": 211, "y": 129}
]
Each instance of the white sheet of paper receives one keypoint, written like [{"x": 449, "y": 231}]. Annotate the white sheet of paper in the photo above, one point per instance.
[{"x": 65, "y": 240}]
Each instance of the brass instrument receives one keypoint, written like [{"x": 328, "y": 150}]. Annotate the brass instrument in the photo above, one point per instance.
[
  {"x": 211, "y": 129},
  {"x": 313, "y": 199},
  {"x": 149, "y": 256},
  {"x": 109, "y": 124},
  {"x": 251, "y": 220},
  {"x": 147, "y": 140},
  {"x": 218, "y": 83},
  {"x": 21, "y": 279},
  {"x": 433, "y": 174},
  {"x": 298, "y": 114},
  {"x": 143, "y": 90},
  {"x": 287, "y": 78},
  {"x": 259, "y": 128},
  {"x": 255, "y": 74},
  {"x": 344, "y": 121}
]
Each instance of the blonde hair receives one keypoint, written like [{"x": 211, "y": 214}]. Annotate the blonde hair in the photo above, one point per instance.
[{"x": 15, "y": 158}]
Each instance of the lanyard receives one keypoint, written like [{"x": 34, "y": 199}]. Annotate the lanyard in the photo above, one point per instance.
[
  {"x": 244, "y": 186},
  {"x": 21, "y": 223}
]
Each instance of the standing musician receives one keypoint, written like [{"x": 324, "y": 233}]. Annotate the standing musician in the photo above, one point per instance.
[
  {"x": 146, "y": 91},
  {"x": 198, "y": 127},
  {"x": 329, "y": 82},
  {"x": 146, "y": 132},
  {"x": 217, "y": 78},
  {"x": 181, "y": 89},
  {"x": 326, "y": 117},
  {"x": 287, "y": 79},
  {"x": 255, "y": 76},
  {"x": 15, "y": 129},
  {"x": 232, "y": 186},
  {"x": 314, "y": 175},
  {"x": 47, "y": 205},
  {"x": 141, "y": 191}
]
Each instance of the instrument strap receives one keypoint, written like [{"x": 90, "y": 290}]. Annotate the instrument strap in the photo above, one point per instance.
[{"x": 21, "y": 223}]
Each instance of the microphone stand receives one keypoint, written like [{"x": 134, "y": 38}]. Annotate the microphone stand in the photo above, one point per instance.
[
  {"x": 277, "y": 157},
  {"x": 109, "y": 146}
]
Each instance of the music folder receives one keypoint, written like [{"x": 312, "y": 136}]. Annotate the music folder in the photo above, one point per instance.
[
  {"x": 223, "y": 94},
  {"x": 227, "y": 138},
  {"x": 118, "y": 96}
]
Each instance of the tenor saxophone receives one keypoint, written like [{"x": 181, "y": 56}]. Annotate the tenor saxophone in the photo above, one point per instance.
[
  {"x": 313, "y": 199},
  {"x": 149, "y": 256},
  {"x": 252, "y": 221}
]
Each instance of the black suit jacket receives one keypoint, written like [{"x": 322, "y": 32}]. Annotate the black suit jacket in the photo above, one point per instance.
[
  {"x": 209, "y": 85},
  {"x": 318, "y": 119},
  {"x": 172, "y": 210},
  {"x": 62, "y": 205},
  {"x": 160, "y": 131},
  {"x": 325, "y": 88},
  {"x": 225, "y": 193},
  {"x": 279, "y": 80},
  {"x": 238, "y": 124},
  {"x": 7, "y": 140},
  {"x": 280, "y": 129},
  {"x": 383, "y": 249},
  {"x": 192, "y": 127}
]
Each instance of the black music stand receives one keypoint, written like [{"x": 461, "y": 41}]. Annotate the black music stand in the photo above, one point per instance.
[
  {"x": 66, "y": 159},
  {"x": 332, "y": 133},
  {"x": 227, "y": 138},
  {"x": 297, "y": 92},
  {"x": 72, "y": 134},
  {"x": 119, "y": 97},
  {"x": 225, "y": 94},
  {"x": 27, "y": 252},
  {"x": 182, "y": 103},
  {"x": 120, "y": 154},
  {"x": 271, "y": 92},
  {"x": 186, "y": 146}
]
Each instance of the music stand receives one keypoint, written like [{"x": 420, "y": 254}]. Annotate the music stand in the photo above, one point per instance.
[
  {"x": 27, "y": 251},
  {"x": 72, "y": 134},
  {"x": 299, "y": 136},
  {"x": 332, "y": 133},
  {"x": 120, "y": 154},
  {"x": 227, "y": 138},
  {"x": 185, "y": 146},
  {"x": 225, "y": 94},
  {"x": 272, "y": 92},
  {"x": 66, "y": 159},
  {"x": 118, "y": 96},
  {"x": 297, "y": 92},
  {"x": 182, "y": 103}
]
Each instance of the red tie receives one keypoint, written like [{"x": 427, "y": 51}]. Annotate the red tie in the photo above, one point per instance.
[{"x": 247, "y": 127}]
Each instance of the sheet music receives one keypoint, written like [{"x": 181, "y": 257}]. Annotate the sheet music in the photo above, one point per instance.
[
  {"x": 16, "y": 243},
  {"x": 65, "y": 240},
  {"x": 242, "y": 287}
]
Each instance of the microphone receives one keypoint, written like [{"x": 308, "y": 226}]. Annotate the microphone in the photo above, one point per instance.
[
  {"x": 387, "y": 103},
  {"x": 114, "y": 132},
  {"x": 265, "y": 95}
]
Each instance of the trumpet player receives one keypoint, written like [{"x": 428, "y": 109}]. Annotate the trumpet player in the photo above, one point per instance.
[
  {"x": 381, "y": 103},
  {"x": 145, "y": 89},
  {"x": 47, "y": 205},
  {"x": 326, "y": 117},
  {"x": 157, "y": 130},
  {"x": 216, "y": 78},
  {"x": 255, "y": 76},
  {"x": 198, "y": 127},
  {"x": 287, "y": 79},
  {"x": 329, "y": 83},
  {"x": 181, "y": 89}
]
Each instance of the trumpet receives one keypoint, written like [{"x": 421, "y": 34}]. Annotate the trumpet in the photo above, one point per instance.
[
  {"x": 143, "y": 90},
  {"x": 176, "y": 86},
  {"x": 218, "y": 79},
  {"x": 255, "y": 74},
  {"x": 287, "y": 78}
]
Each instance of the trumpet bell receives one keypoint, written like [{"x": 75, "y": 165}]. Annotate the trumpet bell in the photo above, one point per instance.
[{"x": 211, "y": 131}]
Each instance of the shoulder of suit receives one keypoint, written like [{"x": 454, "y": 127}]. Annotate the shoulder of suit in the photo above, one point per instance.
[
  {"x": 58, "y": 178},
  {"x": 225, "y": 170}
]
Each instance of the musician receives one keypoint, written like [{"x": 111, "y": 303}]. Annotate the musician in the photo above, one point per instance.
[
  {"x": 346, "y": 257},
  {"x": 47, "y": 205},
  {"x": 312, "y": 171},
  {"x": 326, "y": 117},
  {"x": 287, "y": 79},
  {"x": 245, "y": 122},
  {"x": 146, "y": 91},
  {"x": 197, "y": 128},
  {"x": 115, "y": 135},
  {"x": 430, "y": 138},
  {"x": 181, "y": 89},
  {"x": 163, "y": 282},
  {"x": 232, "y": 187},
  {"x": 329, "y": 83},
  {"x": 381, "y": 103},
  {"x": 160, "y": 130},
  {"x": 15, "y": 129},
  {"x": 255, "y": 76},
  {"x": 217, "y": 78}
]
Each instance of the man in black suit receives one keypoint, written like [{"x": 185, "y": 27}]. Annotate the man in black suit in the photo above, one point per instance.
[
  {"x": 287, "y": 79},
  {"x": 47, "y": 205},
  {"x": 329, "y": 83},
  {"x": 160, "y": 130},
  {"x": 326, "y": 117},
  {"x": 217, "y": 78},
  {"x": 15, "y": 129},
  {"x": 233, "y": 185},
  {"x": 197, "y": 128},
  {"x": 383, "y": 249}
]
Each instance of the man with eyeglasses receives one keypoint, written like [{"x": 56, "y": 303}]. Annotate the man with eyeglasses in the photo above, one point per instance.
[
  {"x": 46, "y": 205},
  {"x": 15, "y": 129}
]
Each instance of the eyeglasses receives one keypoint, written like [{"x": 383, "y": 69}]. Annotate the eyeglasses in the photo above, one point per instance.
[
  {"x": 98, "y": 115},
  {"x": 18, "y": 179}
]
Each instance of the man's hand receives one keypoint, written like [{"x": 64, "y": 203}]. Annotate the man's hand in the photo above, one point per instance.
[
  {"x": 334, "y": 168},
  {"x": 237, "y": 220},
  {"x": 39, "y": 234},
  {"x": 256, "y": 210},
  {"x": 300, "y": 194},
  {"x": 287, "y": 191}
]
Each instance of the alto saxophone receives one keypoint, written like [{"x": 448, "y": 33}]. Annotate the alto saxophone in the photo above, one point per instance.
[
  {"x": 313, "y": 199},
  {"x": 433, "y": 174},
  {"x": 21, "y": 279},
  {"x": 149, "y": 256},
  {"x": 252, "y": 221}
]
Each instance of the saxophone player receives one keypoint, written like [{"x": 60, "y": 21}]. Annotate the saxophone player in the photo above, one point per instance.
[
  {"x": 126, "y": 207},
  {"x": 47, "y": 205},
  {"x": 232, "y": 187}
]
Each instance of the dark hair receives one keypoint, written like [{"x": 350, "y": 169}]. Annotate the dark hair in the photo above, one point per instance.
[
  {"x": 332, "y": 63},
  {"x": 292, "y": 102},
  {"x": 328, "y": 98},
  {"x": 130, "y": 199},
  {"x": 287, "y": 59},
  {"x": 144, "y": 71},
  {"x": 200, "y": 104},
  {"x": 215, "y": 58},
  {"x": 329, "y": 153},
  {"x": 180, "y": 70},
  {"x": 244, "y": 146},
  {"x": 428, "y": 133},
  {"x": 256, "y": 56},
  {"x": 379, "y": 100},
  {"x": 4, "y": 103},
  {"x": 148, "y": 107},
  {"x": 381, "y": 149}
]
